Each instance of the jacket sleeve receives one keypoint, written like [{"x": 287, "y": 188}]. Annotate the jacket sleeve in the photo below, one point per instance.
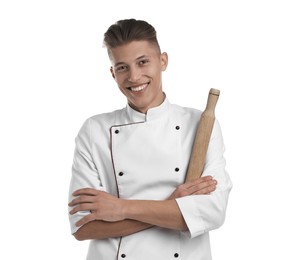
[
  {"x": 84, "y": 171},
  {"x": 203, "y": 213}
]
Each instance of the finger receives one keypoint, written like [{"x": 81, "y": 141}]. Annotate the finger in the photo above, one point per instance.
[
  {"x": 85, "y": 191},
  {"x": 82, "y": 207},
  {"x": 85, "y": 220},
  {"x": 203, "y": 187},
  {"x": 201, "y": 184},
  {"x": 205, "y": 179},
  {"x": 206, "y": 190},
  {"x": 198, "y": 181},
  {"x": 81, "y": 199}
]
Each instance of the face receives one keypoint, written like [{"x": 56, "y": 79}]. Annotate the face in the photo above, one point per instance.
[{"x": 137, "y": 68}]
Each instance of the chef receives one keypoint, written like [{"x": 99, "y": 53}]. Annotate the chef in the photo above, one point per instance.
[{"x": 127, "y": 191}]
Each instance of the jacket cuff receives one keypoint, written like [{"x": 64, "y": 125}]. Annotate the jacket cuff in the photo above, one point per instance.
[{"x": 194, "y": 221}]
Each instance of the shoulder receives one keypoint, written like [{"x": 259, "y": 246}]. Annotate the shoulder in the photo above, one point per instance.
[
  {"x": 191, "y": 116},
  {"x": 108, "y": 118},
  {"x": 187, "y": 112},
  {"x": 100, "y": 121}
]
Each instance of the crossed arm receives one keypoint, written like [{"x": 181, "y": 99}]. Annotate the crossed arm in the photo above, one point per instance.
[{"x": 113, "y": 217}]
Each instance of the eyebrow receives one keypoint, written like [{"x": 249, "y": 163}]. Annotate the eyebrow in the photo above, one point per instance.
[{"x": 138, "y": 58}]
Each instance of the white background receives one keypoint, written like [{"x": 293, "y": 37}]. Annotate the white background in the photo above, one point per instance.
[{"x": 54, "y": 74}]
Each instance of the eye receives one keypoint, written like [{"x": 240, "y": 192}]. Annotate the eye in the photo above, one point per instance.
[
  {"x": 121, "y": 68},
  {"x": 143, "y": 62}
]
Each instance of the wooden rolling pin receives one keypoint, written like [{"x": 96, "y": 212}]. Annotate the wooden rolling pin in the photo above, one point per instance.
[{"x": 203, "y": 134}]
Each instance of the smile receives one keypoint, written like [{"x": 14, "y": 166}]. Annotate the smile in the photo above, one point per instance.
[{"x": 139, "y": 88}]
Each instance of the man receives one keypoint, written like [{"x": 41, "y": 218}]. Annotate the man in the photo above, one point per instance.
[{"x": 127, "y": 193}]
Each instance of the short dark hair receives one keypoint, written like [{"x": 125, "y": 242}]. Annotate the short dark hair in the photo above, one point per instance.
[{"x": 128, "y": 30}]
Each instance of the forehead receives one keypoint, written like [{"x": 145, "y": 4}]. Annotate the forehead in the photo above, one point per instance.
[{"x": 131, "y": 51}]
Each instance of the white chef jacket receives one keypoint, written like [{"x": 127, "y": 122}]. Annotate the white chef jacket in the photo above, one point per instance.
[{"x": 136, "y": 156}]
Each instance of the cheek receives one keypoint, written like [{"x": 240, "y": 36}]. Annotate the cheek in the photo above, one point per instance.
[
  {"x": 154, "y": 72},
  {"x": 119, "y": 80},
  {"x": 123, "y": 90}
]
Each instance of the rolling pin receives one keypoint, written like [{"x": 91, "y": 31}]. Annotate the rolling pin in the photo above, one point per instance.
[{"x": 202, "y": 137}]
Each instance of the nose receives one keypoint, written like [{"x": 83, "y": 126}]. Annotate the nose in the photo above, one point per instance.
[{"x": 134, "y": 74}]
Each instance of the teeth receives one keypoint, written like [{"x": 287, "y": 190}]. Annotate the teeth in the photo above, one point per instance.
[{"x": 139, "y": 88}]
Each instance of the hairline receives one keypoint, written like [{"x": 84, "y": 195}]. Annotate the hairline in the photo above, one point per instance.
[{"x": 153, "y": 43}]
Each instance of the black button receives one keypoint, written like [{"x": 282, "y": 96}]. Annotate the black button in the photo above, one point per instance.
[
  {"x": 177, "y": 127},
  {"x": 121, "y": 173},
  {"x": 176, "y": 169},
  {"x": 123, "y": 255},
  {"x": 176, "y": 255},
  {"x": 117, "y": 131}
]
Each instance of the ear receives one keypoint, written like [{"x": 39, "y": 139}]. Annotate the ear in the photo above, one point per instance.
[
  {"x": 112, "y": 72},
  {"x": 164, "y": 61}
]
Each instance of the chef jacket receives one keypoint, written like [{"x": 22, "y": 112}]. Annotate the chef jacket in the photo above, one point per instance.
[{"x": 145, "y": 157}]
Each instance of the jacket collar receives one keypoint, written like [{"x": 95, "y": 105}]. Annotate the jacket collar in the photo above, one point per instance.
[{"x": 152, "y": 114}]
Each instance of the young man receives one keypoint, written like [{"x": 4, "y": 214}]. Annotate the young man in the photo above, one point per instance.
[{"x": 127, "y": 192}]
